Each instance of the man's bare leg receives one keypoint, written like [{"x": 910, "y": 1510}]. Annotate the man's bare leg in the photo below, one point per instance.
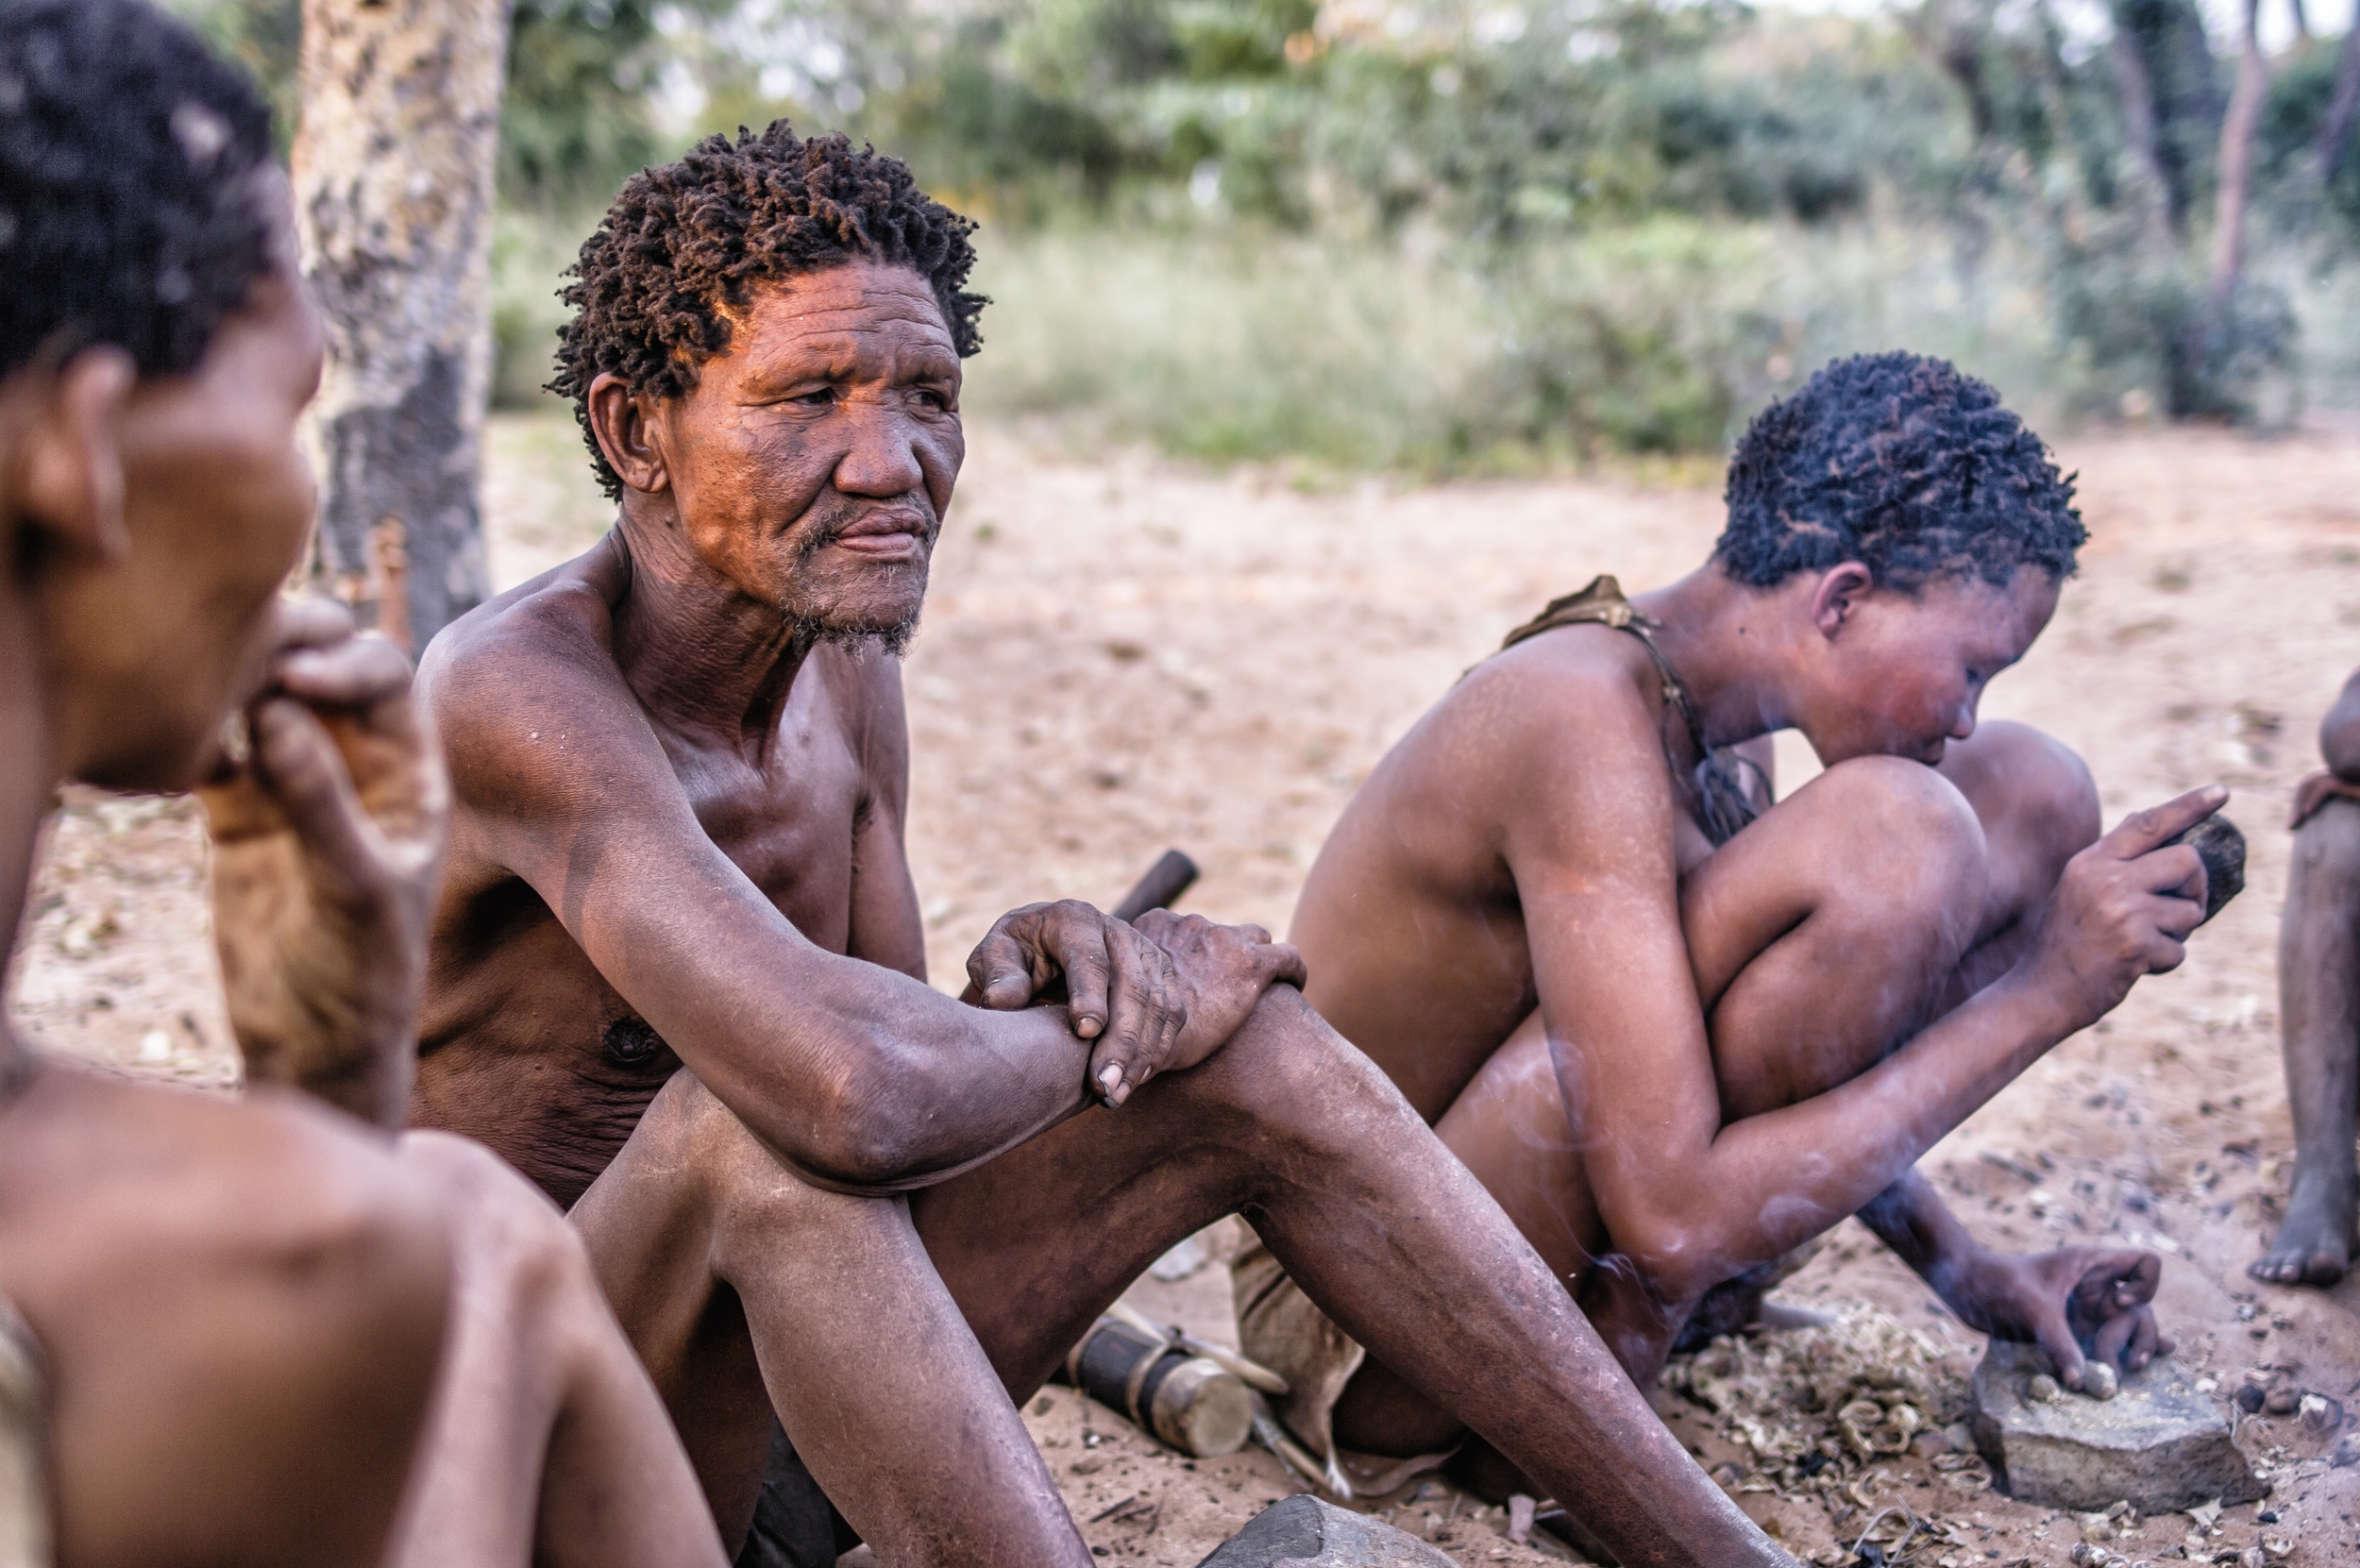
[
  {"x": 2318, "y": 1009},
  {"x": 892, "y": 1336},
  {"x": 546, "y": 1443}
]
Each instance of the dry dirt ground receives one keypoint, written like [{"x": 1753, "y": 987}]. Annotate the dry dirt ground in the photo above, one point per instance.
[{"x": 1120, "y": 656}]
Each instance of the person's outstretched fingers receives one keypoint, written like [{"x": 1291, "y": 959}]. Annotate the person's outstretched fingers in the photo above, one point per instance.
[
  {"x": 2114, "y": 1337},
  {"x": 2143, "y": 831}
]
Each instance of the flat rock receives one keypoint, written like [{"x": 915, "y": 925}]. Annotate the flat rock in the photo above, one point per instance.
[
  {"x": 1303, "y": 1532},
  {"x": 2158, "y": 1444}
]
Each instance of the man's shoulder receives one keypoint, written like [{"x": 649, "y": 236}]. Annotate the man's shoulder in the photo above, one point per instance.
[
  {"x": 160, "y": 1170},
  {"x": 1567, "y": 685},
  {"x": 564, "y": 617}
]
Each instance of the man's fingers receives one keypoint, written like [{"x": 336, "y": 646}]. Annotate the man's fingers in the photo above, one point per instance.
[
  {"x": 1078, "y": 943},
  {"x": 1138, "y": 1007},
  {"x": 1000, "y": 972},
  {"x": 1282, "y": 965},
  {"x": 357, "y": 672},
  {"x": 2146, "y": 830},
  {"x": 297, "y": 761},
  {"x": 310, "y": 621}
]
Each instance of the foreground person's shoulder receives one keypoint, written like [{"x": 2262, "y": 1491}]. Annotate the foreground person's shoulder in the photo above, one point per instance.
[{"x": 268, "y": 1181}]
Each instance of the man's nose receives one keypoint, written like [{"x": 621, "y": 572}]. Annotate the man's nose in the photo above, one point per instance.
[
  {"x": 1963, "y": 727},
  {"x": 883, "y": 458}
]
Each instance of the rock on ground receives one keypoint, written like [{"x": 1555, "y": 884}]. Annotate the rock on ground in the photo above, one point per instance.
[
  {"x": 1303, "y": 1532},
  {"x": 2158, "y": 1444}
]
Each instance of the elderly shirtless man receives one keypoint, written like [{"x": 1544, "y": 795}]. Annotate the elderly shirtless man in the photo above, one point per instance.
[
  {"x": 676, "y": 971},
  {"x": 1663, "y": 1018}
]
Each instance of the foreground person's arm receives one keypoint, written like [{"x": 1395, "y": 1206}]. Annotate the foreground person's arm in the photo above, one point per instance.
[
  {"x": 858, "y": 1077},
  {"x": 1588, "y": 836}
]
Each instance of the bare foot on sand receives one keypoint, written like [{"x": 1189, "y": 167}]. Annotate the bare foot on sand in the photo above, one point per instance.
[{"x": 2314, "y": 1246}]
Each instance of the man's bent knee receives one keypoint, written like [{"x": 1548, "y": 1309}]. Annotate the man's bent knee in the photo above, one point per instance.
[{"x": 1899, "y": 825}]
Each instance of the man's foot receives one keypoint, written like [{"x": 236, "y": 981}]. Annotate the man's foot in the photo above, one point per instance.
[{"x": 2314, "y": 1245}]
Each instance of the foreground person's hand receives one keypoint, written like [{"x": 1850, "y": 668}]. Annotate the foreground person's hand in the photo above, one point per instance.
[
  {"x": 2077, "y": 1304},
  {"x": 2123, "y": 909},
  {"x": 328, "y": 841}
]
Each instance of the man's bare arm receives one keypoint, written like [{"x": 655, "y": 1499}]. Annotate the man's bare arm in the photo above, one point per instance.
[
  {"x": 1589, "y": 832},
  {"x": 858, "y": 1077}
]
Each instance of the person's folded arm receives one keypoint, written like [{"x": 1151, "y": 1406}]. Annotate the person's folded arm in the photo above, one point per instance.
[
  {"x": 1588, "y": 834},
  {"x": 858, "y": 1077}
]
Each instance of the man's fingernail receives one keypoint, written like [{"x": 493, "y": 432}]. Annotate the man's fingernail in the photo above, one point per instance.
[
  {"x": 1109, "y": 1080},
  {"x": 1089, "y": 1029}
]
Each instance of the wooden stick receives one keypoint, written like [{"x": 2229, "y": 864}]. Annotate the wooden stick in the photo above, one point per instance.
[{"x": 1165, "y": 882}]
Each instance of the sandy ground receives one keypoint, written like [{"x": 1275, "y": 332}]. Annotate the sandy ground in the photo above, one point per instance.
[{"x": 1121, "y": 656}]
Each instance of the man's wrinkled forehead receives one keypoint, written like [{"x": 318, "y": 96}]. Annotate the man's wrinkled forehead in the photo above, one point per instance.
[{"x": 847, "y": 310}]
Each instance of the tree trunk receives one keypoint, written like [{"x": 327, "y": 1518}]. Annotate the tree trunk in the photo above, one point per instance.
[
  {"x": 2237, "y": 167},
  {"x": 393, "y": 158},
  {"x": 2152, "y": 182},
  {"x": 2336, "y": 128}
]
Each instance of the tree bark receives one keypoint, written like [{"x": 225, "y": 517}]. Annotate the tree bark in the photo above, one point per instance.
[
  {"x": 394, "y": 154},
  {"x": 2336, "y": 128},
  {"x": 2236, "y": 166}
]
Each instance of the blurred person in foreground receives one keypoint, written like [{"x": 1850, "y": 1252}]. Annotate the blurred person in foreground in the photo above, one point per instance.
[
  {"x": 677, "y": 970},
  {"x": 2319, "y": 1008},
  {"x": 1679, "y": 1030},
  {"x": 247, "y": 1317}
]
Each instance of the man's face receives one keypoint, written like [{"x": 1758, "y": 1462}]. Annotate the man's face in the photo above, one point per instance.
[
  {"x": 812, "y": 464},
  {"x": 1906, "y": 673},
  {"x": 156, "y": 647}
]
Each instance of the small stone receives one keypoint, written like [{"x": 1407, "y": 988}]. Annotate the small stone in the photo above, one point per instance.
[
  {"x": 2277, "y": 1546},
  {"x": 2347, "y": 1451},
  {"x": 1302, "y": 1532},
  {"x": 1929, "y": 1445},
  {"x": 2043, "y": 1388},
  {"x": 2098, "y": 1380},
  {"x": 2158, "y": 1444},
  {"x": 2252, "y": 1558},
  {"x": 2318, "y": 1412},
  {"x": 2249, "y": 1398},
  {"x": 1962, "y": 1436},
  {"x": 2096, "y": 1526},
  {"x": 2282, "y": 1402}
]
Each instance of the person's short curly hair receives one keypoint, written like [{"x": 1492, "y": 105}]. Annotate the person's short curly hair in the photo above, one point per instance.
[
  {"x": 133, "y": 202},
  {"x": 684, "y": 243},
  {"x": 1900, "y": 463}
]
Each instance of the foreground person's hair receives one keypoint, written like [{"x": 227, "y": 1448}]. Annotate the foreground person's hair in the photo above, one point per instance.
[
  {"x": 654, "y": 288},
  {"x": 1900, "y": 463},
  {"x": 132, "y": 209}
]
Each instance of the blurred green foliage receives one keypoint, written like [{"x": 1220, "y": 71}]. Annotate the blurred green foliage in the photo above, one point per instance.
[{"x": 1455, "y": 233}]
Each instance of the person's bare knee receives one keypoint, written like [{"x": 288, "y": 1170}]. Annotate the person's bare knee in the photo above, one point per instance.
[{"x": 2038, "y": 805}]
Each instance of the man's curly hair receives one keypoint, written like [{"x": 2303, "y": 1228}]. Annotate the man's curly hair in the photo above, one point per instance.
[
  {"x": 1900, "y": 463},
  {"x": 684, "y": 243},
  {"x": 134, "y": 188}
]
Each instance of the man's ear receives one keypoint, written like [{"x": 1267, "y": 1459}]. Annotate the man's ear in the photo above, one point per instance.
[
  {"x": 69, "y": 466},
  {"x": 1839, "y": 592},
  {"x": 632, "y": 445}
]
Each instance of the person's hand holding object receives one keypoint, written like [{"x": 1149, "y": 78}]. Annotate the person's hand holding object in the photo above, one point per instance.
[
  {"x": 327, "y": 845},
  {"x": 2123, "y": 909}
]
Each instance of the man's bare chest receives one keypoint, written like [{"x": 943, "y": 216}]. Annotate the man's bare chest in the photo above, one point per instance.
[{"x": 789, "y": 820}]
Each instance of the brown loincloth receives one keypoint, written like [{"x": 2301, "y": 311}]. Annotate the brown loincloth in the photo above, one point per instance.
[{"x": 1280, "y": 1327}]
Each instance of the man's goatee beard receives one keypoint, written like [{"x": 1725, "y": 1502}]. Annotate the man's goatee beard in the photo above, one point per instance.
[{"x": 815, "y": 631}]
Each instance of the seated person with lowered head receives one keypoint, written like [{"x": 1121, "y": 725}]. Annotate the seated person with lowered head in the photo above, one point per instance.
[
  {"x": 1679, "y": 1030},
  {"x": 265, "y": 1331},
  {"x": 678, "y": 964}
]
